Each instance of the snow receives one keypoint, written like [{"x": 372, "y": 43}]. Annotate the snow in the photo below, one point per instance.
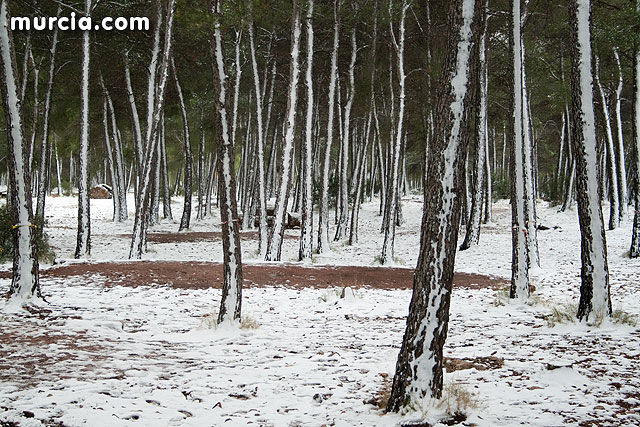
[{"x": 115, "y": 353}]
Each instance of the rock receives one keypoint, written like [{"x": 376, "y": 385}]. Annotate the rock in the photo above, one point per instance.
[
  {"x": 102, "y": 191},
  {"x": 317, "y": 398}
]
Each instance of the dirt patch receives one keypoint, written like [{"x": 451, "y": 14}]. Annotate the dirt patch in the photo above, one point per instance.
[
  {"x": 453, "y": 364},
  {"x": 198, "y": 236},
  {"x": 202, "y": 275}
]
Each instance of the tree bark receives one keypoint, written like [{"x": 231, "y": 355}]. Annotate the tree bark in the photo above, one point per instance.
[
  {"x": 25, "y": 282},
  {"x": 519, "y": 232},
  {"x": 83, "y": 244},
  {"x": 306, "y": 217},
  {"x": 230, "y": 306},
  {"x": 419, "y": 367},
  {"x": 277, "y": 232},
  {"x": 595, "y": 301}
]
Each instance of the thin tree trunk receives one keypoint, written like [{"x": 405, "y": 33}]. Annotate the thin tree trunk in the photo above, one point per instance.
[
  {"x": 277, "y": 232},
  {"x": 392, "y": 208},
  {"x": 344, "y": 187},
  {"x": 230, "y": 305},
  {"x": 623, "y": 197},
  {"x": 83, "y": 244},
  {"x": 45, "y": 148},
  {"x": 634, "y": 251},
  {"x": 323, "y": 222},
  {"x": 185, "y": 221},
  {"x": 142, "y": 205},
  {"x": 614, "y": 215},
  {"x": 306, "y": 217}
]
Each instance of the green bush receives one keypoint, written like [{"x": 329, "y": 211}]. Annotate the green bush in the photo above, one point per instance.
[{"x": 45, "y": 252}]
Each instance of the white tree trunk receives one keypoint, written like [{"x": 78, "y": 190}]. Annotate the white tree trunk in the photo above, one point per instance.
[
  {"x": 390, "y": 230},
  {"x": 621, "y": 169},
  {"x": 614, "y": 215},
  {"x": 595, "y": 301},
  {"x": 277, "y": 232},
  {"x": 25, "y": 282},
  {"x": 323, "y": 223},
  {"x": 306, "y": 226},
  {"x": 83, "y": 244},
  {"x": 519, "y": 261},
  {"x": 230, "y": 305}
]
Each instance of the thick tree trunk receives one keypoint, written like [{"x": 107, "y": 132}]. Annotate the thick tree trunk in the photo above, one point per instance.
[
  {"x": 83, "y": 244},
  {"x": 25, "y": 281},
  {"x": 277, "y": 232},
  {"x": 419, "y": 368},
  {"x": 230, "y": 305},
  {"x": 595, "y": 301},
  {"x": 306, "y": 226}
]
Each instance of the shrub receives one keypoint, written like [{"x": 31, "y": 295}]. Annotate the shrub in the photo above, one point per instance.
[{"x": 44, "y": 250}]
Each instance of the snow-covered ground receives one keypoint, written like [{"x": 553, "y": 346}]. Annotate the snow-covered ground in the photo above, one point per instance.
[{"x": 117, "y": 355}]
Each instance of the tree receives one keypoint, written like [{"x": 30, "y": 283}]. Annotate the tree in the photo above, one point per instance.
[
  {"x": 286, "y": 161},
  {"x": 595, "y": 300},
  {"x": 419, "y": 366},
  {"x": 306, "y": 229},
  {"x": 25, "y": 282},
  {"x": 230, "y": 305},
  {"x": 392, "y": 207},
  {"x": 83, "y": 244},
  {"x": 323, "y": 222},
  {"x": 634, "y": 251},
  {"x": 519, "y": 232},
  {"x": 143, "y": 196}
]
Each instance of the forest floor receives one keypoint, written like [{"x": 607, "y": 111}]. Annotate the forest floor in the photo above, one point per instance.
[{"x": 133, "y": 343}]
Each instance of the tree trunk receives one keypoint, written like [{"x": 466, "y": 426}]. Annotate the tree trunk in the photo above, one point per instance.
[
  {"x": 519, "y": 233},
  {"x": 346, "y": 141},
  {"x": 25, "y": 281},
  {"x": 45, "y": 148},
  {"x": 261, "y": 132},
  {"x": 277, "y": 232},
  {"x": 142, "y": 205},
  {"x": 634, "y": 251},
  {"x": 392, "y": 207},
  {"x": 595, "y": 301},
  {"x": 472, "y": 235},
  {"x": 306, "y": 217},
  {"x": 614, "y": 203},
  {"x": 621, "y": 169},
  {"x": 323, "y": 222},
  {"x": 166, "y": 191},
  {"x": 419, "y": 367},
  {"x": 83, "y": 244},
  {"x": 185, "y": 221},
  {"x": 230, "y": 306}
]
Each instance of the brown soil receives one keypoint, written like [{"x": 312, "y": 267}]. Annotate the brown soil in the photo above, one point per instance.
[
  {"x": 197, "y": 236},
  {"x": 202, "y": 275}
]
